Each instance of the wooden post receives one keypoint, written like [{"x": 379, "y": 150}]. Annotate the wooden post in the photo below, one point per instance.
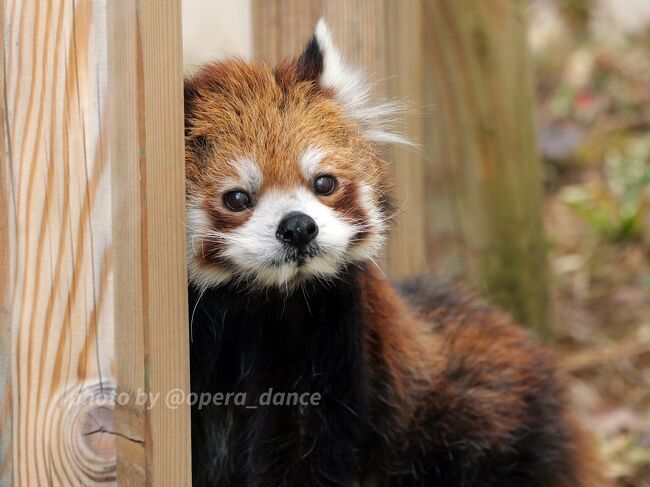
[
  {"x": 93, "y": 284},
  {"x": 486, "y": 205},
  {"x": 383, "y": 37},
  {"x": 406, "y": 254},
  {"x": 6, "y": 411}
]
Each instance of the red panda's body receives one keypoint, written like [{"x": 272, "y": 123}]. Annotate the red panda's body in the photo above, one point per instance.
[{"x": 418, "y": 386}]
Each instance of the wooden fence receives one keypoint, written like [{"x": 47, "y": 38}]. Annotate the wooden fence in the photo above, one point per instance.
[{"x": 92, "y": 270}]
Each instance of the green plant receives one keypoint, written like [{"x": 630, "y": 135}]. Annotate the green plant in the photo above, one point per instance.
[{"x": 613, "y": 205}]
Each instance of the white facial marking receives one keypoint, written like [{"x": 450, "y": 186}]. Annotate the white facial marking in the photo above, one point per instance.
[
  {"x": 249, "y": 175},
  {"x": 256, "y": 250},
  {"x": 199, "y": 229},
  {"x": 310, "y": 160},
  {"x": 375, "y": 224},
  {"x": 258, "y": 258}
]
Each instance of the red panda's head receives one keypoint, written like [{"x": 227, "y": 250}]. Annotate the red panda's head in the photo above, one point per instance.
[{"x": 284, "y": 182}]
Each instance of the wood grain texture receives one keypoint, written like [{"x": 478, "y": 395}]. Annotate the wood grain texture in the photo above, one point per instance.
[
  {"x": 126, "y": 119},
  {"x": 485, "y": 221},
  {"x": 60, "y": 300},
  {"x": 382, "y": 37},
  {"x": 92, "y": 248},
  {"x": 6, "y": 437},
  {"x": 150, "y": 272},
  {"x": 406, "y": 253}
]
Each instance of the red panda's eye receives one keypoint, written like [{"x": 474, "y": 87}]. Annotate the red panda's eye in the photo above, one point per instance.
[
  {"x": 325, "y": 185},
  {"x": 237, "y": 200}
]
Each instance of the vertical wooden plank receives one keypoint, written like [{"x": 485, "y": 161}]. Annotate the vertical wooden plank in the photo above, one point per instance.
[
  {"x": 281, "y": 28},
  {"x": 150, "y": 274},
  {"x": 383, "y": 37},
  {"x": 482, "y": 139},
  {"x": 166, "y": 329},
  {"x": 61, "y": 205},
  {"x": 127, "y": 139},
  {"x": 406, "y": 252},
  {"x": 6, "y": 463},
  {"x": 58, "y": 247}
]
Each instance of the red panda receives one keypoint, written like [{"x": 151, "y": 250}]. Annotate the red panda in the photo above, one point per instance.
[{"x": 288, "y": 203}]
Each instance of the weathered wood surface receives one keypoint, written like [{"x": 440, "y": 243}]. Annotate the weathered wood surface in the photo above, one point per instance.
[
  {"x": 60, "y": 293},
  {"x": 382, "y": 37},
  {"x": 6, "y": 463},
  {"x": 59, "y": 196},
  {"x": 150, "y": 274},
  {"x": 406, "y": 253},
  {"x": 485, "y": 185}
]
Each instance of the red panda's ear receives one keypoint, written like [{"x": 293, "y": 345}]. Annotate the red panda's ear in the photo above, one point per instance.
[
  {"x": 310, "y": 62},
  {"x": 322, "y": 63}
]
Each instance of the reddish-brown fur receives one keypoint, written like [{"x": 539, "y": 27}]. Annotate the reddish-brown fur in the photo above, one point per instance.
[
  {"x": 241, "y": 105},
  {"x": 499, "y": 367}
]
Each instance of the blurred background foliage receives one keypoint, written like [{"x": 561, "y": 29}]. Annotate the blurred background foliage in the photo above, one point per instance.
[{"x": 592, "y": 66}]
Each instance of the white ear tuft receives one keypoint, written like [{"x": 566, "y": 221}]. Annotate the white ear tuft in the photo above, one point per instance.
[
  {"x": 336, "y": 75},
  {"x": 352, "y": 90}
]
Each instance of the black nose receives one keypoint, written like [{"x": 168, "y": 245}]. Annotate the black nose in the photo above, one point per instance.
[{"x": 297, "y": 229}]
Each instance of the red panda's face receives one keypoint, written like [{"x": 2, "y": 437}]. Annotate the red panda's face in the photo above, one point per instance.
[{"x": 283, "y": 182}]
